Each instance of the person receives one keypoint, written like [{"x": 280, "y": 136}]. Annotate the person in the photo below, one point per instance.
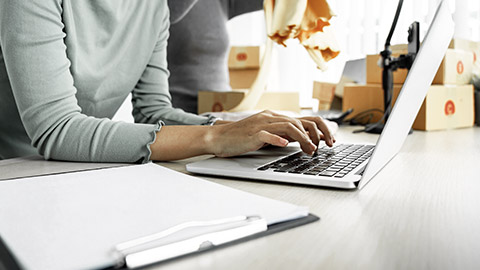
[
  {"x": 198, "y": 47},
  {"x": 66, "y": 66}
]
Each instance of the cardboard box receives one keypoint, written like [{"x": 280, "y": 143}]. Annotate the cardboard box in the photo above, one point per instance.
[
  {"x": 324, "y": 92},
  {"x": 362, "y": 98},
  {"x": 445, "y": 107},
  {"x": 244, "y": 57},
  {"x": 242, "y": 78},
  {"x": 466, "y": 45},
  {"x": 456, "y": 68},
  {"x": 456, "y": 43},
  {"x": 399, "y": 48},
  {"x": 209, "y": 101}
]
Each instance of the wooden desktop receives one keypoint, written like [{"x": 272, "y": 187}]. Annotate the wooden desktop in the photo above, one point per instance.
[{"x": 422, "y": 211}]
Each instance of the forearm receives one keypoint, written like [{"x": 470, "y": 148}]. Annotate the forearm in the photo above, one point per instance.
[
  {"x": 179, "y": 142},
  {"x": 226, "y": 139}
]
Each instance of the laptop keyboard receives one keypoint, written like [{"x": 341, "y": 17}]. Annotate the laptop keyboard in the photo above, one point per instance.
[{"x": 337, "y": 161}]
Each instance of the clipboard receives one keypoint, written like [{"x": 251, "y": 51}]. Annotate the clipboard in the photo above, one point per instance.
[
  {"x": 249, "y": 234},
  {"x": 15, "y": 254},
  {"x": 8, "y": 260}
]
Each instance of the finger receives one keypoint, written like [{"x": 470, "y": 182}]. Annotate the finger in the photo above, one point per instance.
[
  {"x": 269, "y": 138},
  {"x": 276, "y": 118},
  {"x": 328, "y": 137},
  {"x": 323, "y": 138},
  {"x": 313, "y": 131},
  {"x": 289, "y": 130}
]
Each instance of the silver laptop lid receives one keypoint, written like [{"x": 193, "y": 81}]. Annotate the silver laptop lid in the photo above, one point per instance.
[{"x": 413, "y": 92}]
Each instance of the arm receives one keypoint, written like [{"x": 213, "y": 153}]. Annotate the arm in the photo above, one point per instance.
[
  {"x": 32, "y": 40},
  {"x": 234, "y": 138},
  {"x": 152, "y": 102},
  {"x": 151, "y": 97}
]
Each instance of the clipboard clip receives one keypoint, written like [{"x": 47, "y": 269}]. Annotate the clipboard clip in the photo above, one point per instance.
[{"x": 197, "y": 236}]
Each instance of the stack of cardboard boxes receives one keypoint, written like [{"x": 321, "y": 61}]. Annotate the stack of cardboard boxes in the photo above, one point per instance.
[
  {"x": 325, "y": 93},
  {"x": 449, "y": 102},
  {"x": 244, "y": 65}
]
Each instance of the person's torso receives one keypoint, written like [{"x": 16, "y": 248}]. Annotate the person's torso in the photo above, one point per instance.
[
  {"x": 197, "y": 50},
  {"x": 108, "y": 44}
]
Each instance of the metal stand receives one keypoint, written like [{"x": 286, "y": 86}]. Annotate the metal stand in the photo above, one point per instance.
[{"x": 391, "y": 64}]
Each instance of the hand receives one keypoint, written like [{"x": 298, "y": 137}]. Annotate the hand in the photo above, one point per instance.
[
  {"x": 254, "y": 132},
  {"x": 321, "y": 125}
]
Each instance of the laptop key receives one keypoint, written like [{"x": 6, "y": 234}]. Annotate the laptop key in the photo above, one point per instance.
[
  {"x": 338, "y": 161},
  {"x": 327, "y": 173}
]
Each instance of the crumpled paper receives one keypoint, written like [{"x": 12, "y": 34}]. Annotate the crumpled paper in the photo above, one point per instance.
[{"x": 305, "y": 20}]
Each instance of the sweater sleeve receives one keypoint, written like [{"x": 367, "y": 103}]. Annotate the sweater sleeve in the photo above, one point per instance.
[
  {"x": 239, "y": 7},
  {"x": 151, "y": 98},
  {"x": 31, "y": 37}
]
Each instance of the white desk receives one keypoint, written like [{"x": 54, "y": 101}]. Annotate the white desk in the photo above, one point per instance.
[{"x": 422, "y": 211}]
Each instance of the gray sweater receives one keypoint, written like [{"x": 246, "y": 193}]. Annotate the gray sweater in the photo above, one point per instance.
[
  {"x": 66, "y": 66},
  {"x": 198, "y": 47}
]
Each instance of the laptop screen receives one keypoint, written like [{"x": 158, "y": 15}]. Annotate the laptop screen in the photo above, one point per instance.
[{"x": 413, "y": 92}]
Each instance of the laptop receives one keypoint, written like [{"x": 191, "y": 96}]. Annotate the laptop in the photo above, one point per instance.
[{"x": 348, "y": 165}]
